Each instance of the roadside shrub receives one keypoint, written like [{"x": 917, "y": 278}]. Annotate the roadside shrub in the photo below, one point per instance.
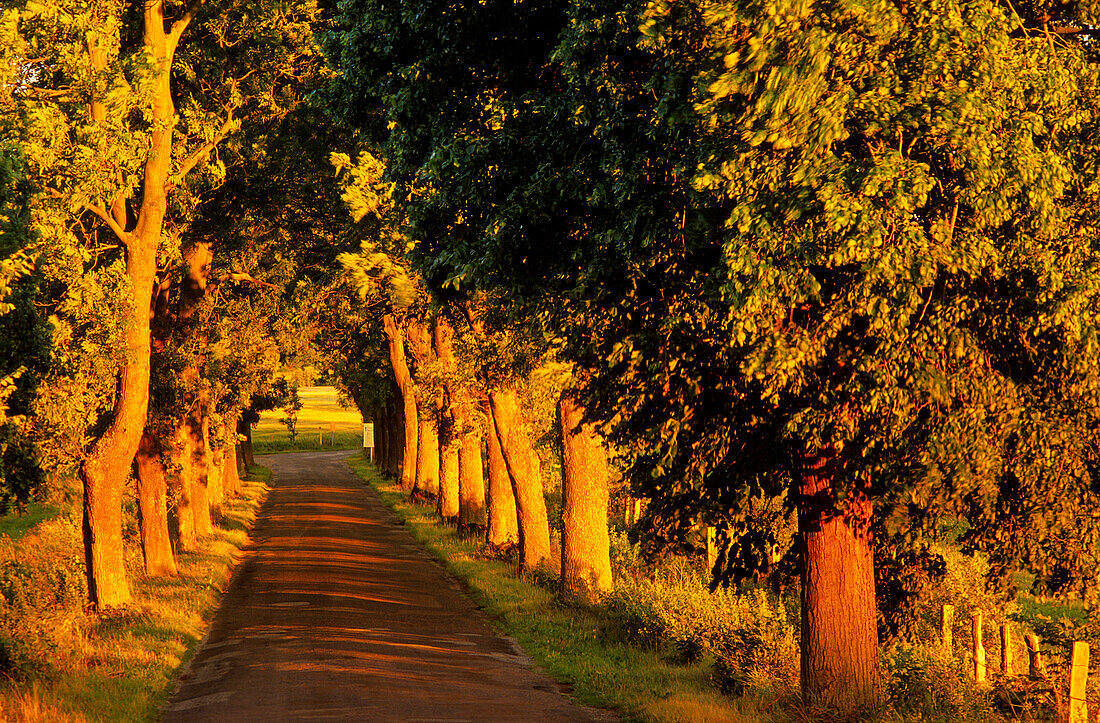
[
  {"x": 758, "y": 650},
  {"x": 925, "y": 683},
  {"x": 748, "y": 635},
  {"x": 674, "y": 611},
  {"x": 42, "y": 594}
]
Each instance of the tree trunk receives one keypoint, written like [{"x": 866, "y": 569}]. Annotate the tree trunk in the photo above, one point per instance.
[
  {"x": 395, "y": 428},
  {"x": 156, "y": 544},
  {"x": 242, "y": 466},
  {"x": 179, "y": 480},
  {"x": 471, "y": 484},
  {"x": 503, "y": 524},
  {"x": 427, "y": 457},
  {"x": 519, "y": 457},
  {"x": 452, "y": 415},
  {"x": 108, "y": 463},
  {"x": 395, "y": 340},
  {"x": 231, "y": 476},
  {"x": 448, "y": 483},
  {"x": 215, "y": 455},
  {"x": 395, "y": 432},
  {"x": 585, "y": 546},
  {"x": 200, "y": 471},
  {"x": 231, "y": 479},
  {"x": 426, "y": 483},
  {"x": 248, "y": 457},
  {"x": 381, "y": 438},
  {"x": 840, "y": 655}
]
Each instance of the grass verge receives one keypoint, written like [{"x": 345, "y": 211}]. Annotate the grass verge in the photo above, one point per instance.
[
  {"x": 121, "y": 664},
  {"x": 15, "y": 526},
  {"x": 272, "y": 441},
  {"x": 570, "y": 643}
]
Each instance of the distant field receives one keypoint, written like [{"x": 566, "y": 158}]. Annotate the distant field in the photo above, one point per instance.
[{"x": 320, "y": 411}]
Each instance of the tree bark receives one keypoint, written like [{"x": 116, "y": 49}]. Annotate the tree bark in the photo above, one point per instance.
[
  {"x": 503, "y": 529},
  {"x": 231, "y": 478},
  {"x": 242, "y": 466},
  {"x": 840, "y": 655},
  {"x": 179, "y": 481},
  {"x": 585, "y": 545},
  {"x": 395, "y": 339},
  {"x": 453, "y": 415},
  {"x": 426, "y": 483},
  {"x": 215, "y": 455},
  {"x": 448, "y": 483},
  {"x": 396, "y": 430},
  {"x": 381, "y": 438},
  {"x": 248, "y": 457},
  {"x": 471, "y": 484},
  {"x": 519, "y": 457},
  {"x": 200, "y": 471},
  {"x": 108, "y": 463},
  {"x": 156, "y": 544}
]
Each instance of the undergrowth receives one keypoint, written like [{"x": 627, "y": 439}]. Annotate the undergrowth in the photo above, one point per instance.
[
  {"x": 662, "y": 647},
  {"x": 63, "y": 662}
]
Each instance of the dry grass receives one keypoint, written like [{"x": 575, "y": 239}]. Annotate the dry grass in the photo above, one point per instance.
[
  {"x": 120, "y": 664},
  {"x": 27, "y": 705}
]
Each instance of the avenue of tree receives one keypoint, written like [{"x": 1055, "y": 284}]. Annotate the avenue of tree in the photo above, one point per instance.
[{"x": 833, "y": 264}]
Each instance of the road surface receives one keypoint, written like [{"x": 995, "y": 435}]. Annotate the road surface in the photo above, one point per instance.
[{"x": 336, "y": 614}]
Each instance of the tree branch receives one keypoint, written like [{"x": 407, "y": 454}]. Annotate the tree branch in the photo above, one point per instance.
[
  {"x": 202, "y": 151},
  {"x": 122, "y": 234},
  {"x": 180, "y": 25},
  {"x": 243, "y": 277}
]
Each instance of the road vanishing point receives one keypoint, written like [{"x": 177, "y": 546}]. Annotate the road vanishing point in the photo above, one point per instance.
[{"x": 335, "y": 613}]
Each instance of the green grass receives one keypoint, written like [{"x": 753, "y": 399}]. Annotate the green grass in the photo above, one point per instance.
[
  {"x": 321, "y": 412},
  {"x": 17, "y": 525},
  {"x": 124, "y": 662},
  {"x": 568, "y": 642}
]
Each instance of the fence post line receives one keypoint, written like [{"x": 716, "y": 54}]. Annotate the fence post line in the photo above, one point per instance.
[
  {"x": 978, "y": 648},
  {"x": 1078, "y": 680},
  {"x": 1006, "y": 650},
  {"x": 1034, "y": 657}
]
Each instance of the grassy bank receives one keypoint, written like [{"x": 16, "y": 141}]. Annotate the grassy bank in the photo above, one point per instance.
[
  {"x": 119, "y": 665},
  {"x": 322, "y": 424},
  {"x": 570, "y": 643}
]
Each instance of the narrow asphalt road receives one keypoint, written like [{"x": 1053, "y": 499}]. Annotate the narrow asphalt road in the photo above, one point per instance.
[{"x": 336, "y": 613}]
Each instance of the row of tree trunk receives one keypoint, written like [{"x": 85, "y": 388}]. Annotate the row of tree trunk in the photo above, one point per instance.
[
  {"x": 473, "y": 454},
  {"x": 198, "y": 477}
]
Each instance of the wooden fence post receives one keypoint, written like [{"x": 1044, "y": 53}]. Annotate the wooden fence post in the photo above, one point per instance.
[
  {"x": 1078, "y": 679},
  {"x": 1034, "y": 657},
  {"x": 947, "y": 621},
  {"x": 978, "y": 648},
  {"x": 1006, "y": 650}
]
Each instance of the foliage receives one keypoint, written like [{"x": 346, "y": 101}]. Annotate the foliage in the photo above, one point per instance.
[
  {"x": 42, "y": 594},
  {"x": 771, "y": 229},
  {"x": 81, "y": 97},
  {"x": 116, "y": 666},
  {"x": 23, "y": 337},
  {"x": 924, "y": 684},
  {"x": 748, "y": 635},
  {"x": 290, "y": 413}
]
